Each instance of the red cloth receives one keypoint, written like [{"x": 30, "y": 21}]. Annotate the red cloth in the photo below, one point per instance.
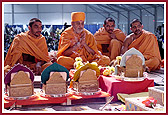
[
  {"x": 39, "y": 99},
  {"x": 96, "y": 95},
  {"x": 8, "y": 103},
  {"x": 113, "y": 86},
  {"x": 48, "y": 100}
]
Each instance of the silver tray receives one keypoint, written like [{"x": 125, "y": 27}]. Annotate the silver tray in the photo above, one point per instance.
[
  {"x": 20, "y": 98},
  {"x": 88, "y": 93},
  {"x": 52, "y": 95},
  {"x": 134, "y": 79}
]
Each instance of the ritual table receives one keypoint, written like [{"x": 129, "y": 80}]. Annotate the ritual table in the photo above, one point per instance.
[
  {"x": 36, "y": 99},
  {"x": 113, "y": 86},
  {"x": 8, "y": 103},
  {"x": 40, "y": 98},
  {"x": 86, "y": 97}
]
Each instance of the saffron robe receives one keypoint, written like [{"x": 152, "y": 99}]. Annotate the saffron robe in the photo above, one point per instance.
[
  {"x": 113, "y": 46},
  {"x": 24, "y": 43},
  {"x": 147, "y": 44},
  {"x": 68, "y": 39}
]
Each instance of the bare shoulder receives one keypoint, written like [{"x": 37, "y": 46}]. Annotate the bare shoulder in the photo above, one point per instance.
[
  {"x": 129, "y": 37},
  {"x": 128, "y": 40}
]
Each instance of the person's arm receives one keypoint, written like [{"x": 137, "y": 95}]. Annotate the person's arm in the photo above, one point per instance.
[
  {"x": 70, "y": 50},
  {"x": 77, "y": 46},
  {"x": 126, "y": 44},
  {"x": 113, "y": 36},
  {"x": 38, "y": 67},
  {"x": 89, "y": 49},
  {"x": 83, "y": 44}
]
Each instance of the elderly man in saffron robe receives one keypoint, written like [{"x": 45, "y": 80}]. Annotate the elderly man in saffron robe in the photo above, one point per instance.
[
  {"x": 29, "y": 49},
  {"x": 145, "y": 42},
  {"x": 109, "y": 40},
  {"x": 76, "y": 41}
]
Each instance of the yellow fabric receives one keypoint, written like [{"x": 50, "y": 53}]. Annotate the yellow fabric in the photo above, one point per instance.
[
  {"x": 147, "y": 44},
  {"x": 77, "y": 16},
  {"x": 85, "y": 67},
  {"x": 122, "y": 96},
  {"x": 102, "y": 37},
  {"x": 24, "y": 43},
  {"x": 68, "y": 62}
]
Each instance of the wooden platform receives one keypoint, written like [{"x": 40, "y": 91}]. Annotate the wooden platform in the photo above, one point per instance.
[{"x": 92, "y": 104}]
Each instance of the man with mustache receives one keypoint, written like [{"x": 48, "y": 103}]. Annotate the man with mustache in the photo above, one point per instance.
[
  {"x": 76, "y": 41},
  {"x": 145, "y": 42},
  {"x": 109, "y": 40},
  {"x": 29, "y": 48}
]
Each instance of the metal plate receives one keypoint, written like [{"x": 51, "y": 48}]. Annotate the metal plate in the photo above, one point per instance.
[
  {"x": 20, "y": 98},
  {"x": 133, "y": 79},
  {"x": 52, "y": 95},
  {"x": 88, "y": 93}
]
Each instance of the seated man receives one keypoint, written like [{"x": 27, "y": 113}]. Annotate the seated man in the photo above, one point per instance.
[
  {"x": 29, "y": 48},
  {"x": 76, "y": 41},
  {"x": 109, "y": 40},
  {"x": 145, "y": 42}
]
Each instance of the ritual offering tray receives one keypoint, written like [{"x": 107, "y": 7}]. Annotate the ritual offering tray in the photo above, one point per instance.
[
  {"x": 85, "y": 79},
  {"x": 54, "y": 79},
  {"x": 21, "y": 98},
  {"x": 133, "y": 79},
  {"x": 88, "y": 93},
  {"x": 53, "y": 95},
  {"x": 19, "y": 82},
  {"x": 91, "y": 93},
  {"x": 56, "y": 84},
  {"x": 131, "y": 67}
]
